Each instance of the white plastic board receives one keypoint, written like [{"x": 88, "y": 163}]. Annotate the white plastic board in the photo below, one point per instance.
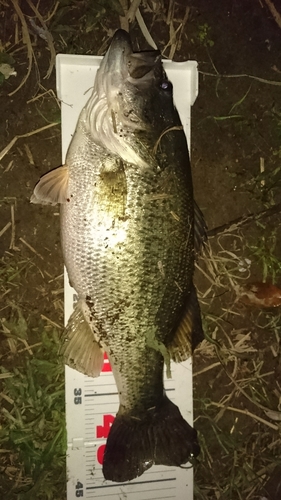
[{"x": 91, "y": 404}]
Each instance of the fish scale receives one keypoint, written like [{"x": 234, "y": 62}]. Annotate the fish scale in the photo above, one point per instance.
[{"x": 146, "y": 248}]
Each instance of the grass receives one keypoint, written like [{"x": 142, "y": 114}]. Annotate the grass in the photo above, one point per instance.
[
  {"x": 264, "y": 252},
  {"x": 237, "y": 406},
  {"x": 32, "y": 416},
  {"x": 32, "y": 434}
]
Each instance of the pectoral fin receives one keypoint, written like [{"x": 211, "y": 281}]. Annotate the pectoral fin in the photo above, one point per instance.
[
  {"x": 52, "y": 188},
  {"x": 111, "y": 189}
]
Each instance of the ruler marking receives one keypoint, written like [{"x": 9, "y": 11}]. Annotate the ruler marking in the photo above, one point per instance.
[
  {"x": 102, "y": 394},
  {"x": 153, "y": 481},
  {"x": 103, "y": 388},
  {"x": 154, "y": 491},
  {"x": 132, "y": 493},
  {"x": 93, "y": 395},
  {"x": 98, "y": 384},
  {"x": 112, "y": 408},
  {"x": 157, "y": 498},
  {"x": 98, "y": 473},
  {"x": 108, "y": 403}
]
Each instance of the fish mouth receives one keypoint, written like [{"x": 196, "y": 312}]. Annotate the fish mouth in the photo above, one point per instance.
[{"x": 123, "y": 64}]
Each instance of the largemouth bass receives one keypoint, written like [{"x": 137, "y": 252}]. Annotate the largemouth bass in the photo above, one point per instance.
[{"x": 128, "y": 227}]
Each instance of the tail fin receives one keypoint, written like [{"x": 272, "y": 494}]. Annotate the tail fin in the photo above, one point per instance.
[{"x": 161, "y": 437}]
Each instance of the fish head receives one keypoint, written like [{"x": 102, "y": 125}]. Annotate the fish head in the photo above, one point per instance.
[
  {"x": 131, "y": 94},
  {"x": 135, "y": 83}
]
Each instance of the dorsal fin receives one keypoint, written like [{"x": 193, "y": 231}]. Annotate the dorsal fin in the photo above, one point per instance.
[{"x": 189, "y": 332}]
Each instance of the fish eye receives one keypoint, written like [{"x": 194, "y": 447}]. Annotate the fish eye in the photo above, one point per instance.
[{"x": 166, "y": 85}]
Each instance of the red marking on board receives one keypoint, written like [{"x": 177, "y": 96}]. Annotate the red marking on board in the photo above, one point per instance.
[
  {"x": 100, "y": 454},
  {"x": 106, "y": 365},
  {"x": 103, "y": 430}
]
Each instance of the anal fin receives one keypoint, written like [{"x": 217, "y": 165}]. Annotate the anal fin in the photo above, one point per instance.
[{"x": 80, "y": 348}]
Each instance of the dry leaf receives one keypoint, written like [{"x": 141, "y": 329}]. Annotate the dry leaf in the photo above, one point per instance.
[{"x": 259, "y": 294}]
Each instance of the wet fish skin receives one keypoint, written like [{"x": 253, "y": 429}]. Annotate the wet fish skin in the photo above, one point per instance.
[{"x": 127, "y": 224}]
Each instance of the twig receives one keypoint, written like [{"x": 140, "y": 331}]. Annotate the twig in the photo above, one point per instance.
[
  {"x": 245, "y": 219},
  {"x": 6, "y": 375},
  {"x": 145, "y": 31},
  {"x": 207, "y": 368},
  {"x": 5, "y": 228},
  {"x": 183, "y": 23},
  {"x": 14, "y": 140},
  {"x": 9, "y": 166},
  {"x": 7, "y": 398},
  {"x": 29, "y": 154},
  {"x": 247, "y": 412},
  {"x": 31, "y": 248},
  {"x": 57, "y": 4},
  {"x": 132, "y": 10},
  {"x": 48, "y": 92},
  {"x": 262, "y": 171},
  {"x": 27, "y": 40},
  {"x": 173, "y": 41},
  {"x": 274, "y": 12},
  {"x": 262, "y": 80},
  {"x": 13, "y": 235},
  {"x": 169, "y": 129},
  {"x": 124, "y": 23},
  {"x": 240, "y": 389},
  {"x": 51, "y": 322},
  {"x": 48, "y": 38},
  {"x": 29, "y": 347}
]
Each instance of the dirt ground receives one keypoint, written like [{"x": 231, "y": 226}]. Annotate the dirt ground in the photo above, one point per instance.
[{"x": 236, "y": 134}]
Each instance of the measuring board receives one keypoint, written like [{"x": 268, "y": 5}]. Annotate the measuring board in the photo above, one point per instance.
[{"x": 91, "y": 404}]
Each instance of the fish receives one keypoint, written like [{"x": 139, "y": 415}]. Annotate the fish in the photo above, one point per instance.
[{"x": 129, "y": 232}]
